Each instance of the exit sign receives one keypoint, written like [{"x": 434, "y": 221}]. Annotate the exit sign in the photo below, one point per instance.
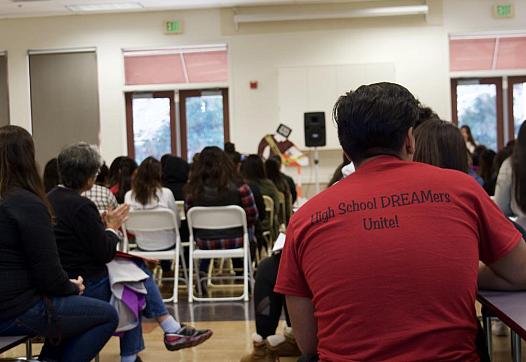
[
  {"x": 503, "y": 11},
  {"x": 173, "y": 27}
]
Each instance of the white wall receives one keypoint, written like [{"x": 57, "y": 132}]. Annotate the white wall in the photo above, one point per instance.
[{"x": 419, "y": 52}]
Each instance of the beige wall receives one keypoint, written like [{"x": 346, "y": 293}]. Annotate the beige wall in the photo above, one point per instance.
[
  {"x": 417, "y": 48},
  {"x": 4, "y": 94}
]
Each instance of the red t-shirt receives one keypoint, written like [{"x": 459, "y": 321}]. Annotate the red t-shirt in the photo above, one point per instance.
[{"x": 389, "y": 256}]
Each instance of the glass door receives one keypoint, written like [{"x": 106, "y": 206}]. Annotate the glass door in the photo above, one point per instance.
[
  {"x": 477, "y": 103},
  {"x": 516, "y": 104},
  {"x": 204, "y": 120},
  {"x": 151, "y": 124}
]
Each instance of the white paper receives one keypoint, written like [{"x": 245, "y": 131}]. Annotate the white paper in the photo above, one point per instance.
[{"x": 280, "y": 243}]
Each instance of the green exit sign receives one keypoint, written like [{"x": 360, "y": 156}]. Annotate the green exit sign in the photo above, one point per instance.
[
  {"x": 503, "y": 11},
  {"x": 173, "y": 27}
]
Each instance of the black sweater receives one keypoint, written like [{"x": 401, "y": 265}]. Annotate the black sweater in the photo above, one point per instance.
[
  {"x": 29, "y": 261},
  {"x": 83, "y": 243}
]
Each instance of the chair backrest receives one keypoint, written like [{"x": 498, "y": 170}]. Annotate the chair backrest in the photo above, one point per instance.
[
  {"x": 282, "y": 208},
  {"x": 269, "y": 203},
  {"x": 216, "y": 218},
  {"x": 151, "y": 220},
  {"x": 180, "y": 209}
]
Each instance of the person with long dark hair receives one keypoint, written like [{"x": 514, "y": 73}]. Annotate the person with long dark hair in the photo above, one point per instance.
[
  {"x": 50, "y": 175},
  {"x": 36, "y": 295},
  {"x": 120, "y": 176},
  {"x": 253, "y": 172},
  {"x": 213, "y": 182},
  {"x": 510, "y": 191},
  {"x": 272, "y": 169},
  {"x": 147, "y": 193},
  {"x": 468, "y": 138},
  {"x": 439, "y": 143}
]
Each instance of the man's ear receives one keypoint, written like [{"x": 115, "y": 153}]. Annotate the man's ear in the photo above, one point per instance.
[{"x": 410, "y": 144}]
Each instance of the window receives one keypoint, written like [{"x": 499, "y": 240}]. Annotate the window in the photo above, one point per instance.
[
  {"x": 204, "y": 120},
  {"x": 516, "y": 104},
  {"x": 477, "y": 103},
  {"x": 151, "y": 124},
  {"x": 200, "y": 64}
]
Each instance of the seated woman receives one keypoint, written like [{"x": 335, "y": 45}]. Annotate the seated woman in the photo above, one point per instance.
[
  {"x": 148, "y": 194},
  {"x": 272, "y": 169},
  {"x": 253, "y": 172},
  {"x": 510, "y": 191},
  {"x": 85, "y": 245},
  {"x": 213, "y": 183},
  {"x": 36, "y": 296},
  {"x": 120, "y": 176}
]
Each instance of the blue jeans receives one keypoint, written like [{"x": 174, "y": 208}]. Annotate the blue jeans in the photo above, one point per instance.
[
  {"x": 131, "y": 342},
  {"x": 76, "y": 328}
]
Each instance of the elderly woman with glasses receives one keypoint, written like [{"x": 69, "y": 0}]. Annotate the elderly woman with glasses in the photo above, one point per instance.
[{"x": 86, "y": 242}]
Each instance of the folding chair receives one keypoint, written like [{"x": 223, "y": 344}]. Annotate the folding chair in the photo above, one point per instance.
[
  {"x": 145, "y": 221},
  {"x": 218, "y": 218}
]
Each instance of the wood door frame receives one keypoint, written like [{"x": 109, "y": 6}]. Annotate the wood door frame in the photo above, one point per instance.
[
  {"x": 183, "y": 94},
  {"x": 128, "y": 96},
  {"x": 497, "y": 81},
  {"x": 511, "y": 119}
]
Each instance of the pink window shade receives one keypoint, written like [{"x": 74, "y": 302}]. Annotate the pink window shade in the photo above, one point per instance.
[
  {"x": 471, "y": 54},
  {"x": 153, "y": 69},
  {"x": 511, "y": 53},
  {"x": 204, "y": 67}
]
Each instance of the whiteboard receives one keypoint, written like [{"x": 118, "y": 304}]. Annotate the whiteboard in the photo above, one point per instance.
[{"x": 316, "y": 88}]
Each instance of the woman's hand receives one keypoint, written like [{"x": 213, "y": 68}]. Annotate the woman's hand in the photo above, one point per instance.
[
  {"x": 116, "y": 217},
  {"x": 79, "y": 282}
]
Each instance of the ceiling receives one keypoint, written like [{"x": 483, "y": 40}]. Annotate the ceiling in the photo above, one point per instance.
[{"x": 30, "y": 8}]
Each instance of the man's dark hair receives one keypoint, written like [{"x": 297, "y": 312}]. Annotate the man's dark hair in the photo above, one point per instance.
[{"x": 374, "y": 120}]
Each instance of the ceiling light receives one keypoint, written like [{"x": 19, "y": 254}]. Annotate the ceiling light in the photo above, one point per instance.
[
  {"x": 355, "y": 13},
  {"x": 104, "y": 7}
]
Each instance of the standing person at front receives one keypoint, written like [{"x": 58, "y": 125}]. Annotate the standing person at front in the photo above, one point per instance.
[
  {"x": 36, "y": 296},
  {"x": 384, "y": 264}
]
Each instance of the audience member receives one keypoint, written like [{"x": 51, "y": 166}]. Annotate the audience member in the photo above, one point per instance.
[
  {"x": 253, "y": 172},
  {"x": 147, "y": 193},
  {"x": 268, "y": 306},
  {"x": 85, "y": 245},
  {"x": 120, "y": 176},
  {"x": 468, "y": 138},
  {"x": 425, "y": 114},
  {"x": 175, "y": 175},
  {"x": 101, "y": 196},
  {"x": 487, "y": 170},
  {"x": 290, "y": 180},
  {"x": 510, "y": 191},
  {"x": 272, "y": 170},
  {"x": 440, "y": 143},
  {"x": 103, "y": 177},
  {"x": 36, "y": 296},
  {"x": 50, "y": 175},
  {"x": 213, "y": 182},
  {"x": 413, "y": 227}
]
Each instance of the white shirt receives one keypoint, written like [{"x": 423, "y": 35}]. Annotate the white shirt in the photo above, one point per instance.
[
  {"x": 155, "y": 240},
  {"x": 504, "y": 191}
]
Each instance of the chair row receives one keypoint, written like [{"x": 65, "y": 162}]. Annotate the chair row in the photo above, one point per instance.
[{"x": 205, "y": 218}]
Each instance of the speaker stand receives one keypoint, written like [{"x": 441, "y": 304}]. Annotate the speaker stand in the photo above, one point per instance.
[{"x": 317, "y": 169}]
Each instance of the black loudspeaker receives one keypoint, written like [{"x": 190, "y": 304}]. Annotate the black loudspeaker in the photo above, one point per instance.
[{"x": 315, "y": 129}]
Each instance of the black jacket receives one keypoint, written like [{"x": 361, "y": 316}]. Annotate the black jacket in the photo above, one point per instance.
[
  {"x": 175, "y": 175},
  {"x": 83, "y": 243},
  {"x": 29, "y": 261}
]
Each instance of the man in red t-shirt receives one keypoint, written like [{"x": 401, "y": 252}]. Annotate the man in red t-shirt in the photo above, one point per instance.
[{"x": 384, "y": 264}]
